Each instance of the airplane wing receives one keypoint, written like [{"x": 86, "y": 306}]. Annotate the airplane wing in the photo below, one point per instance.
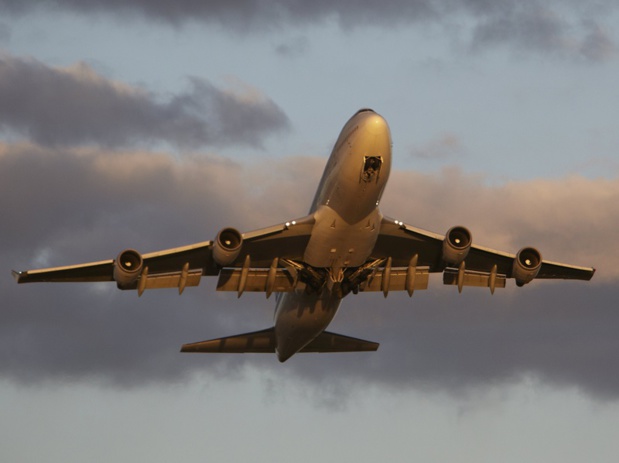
[
  {"x": 184, "y": 266},
  {"x": 466, "y": 265}
]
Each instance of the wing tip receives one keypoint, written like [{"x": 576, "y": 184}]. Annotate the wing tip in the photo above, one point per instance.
[
  {"x": 17, "y": 275},
  {"x": 590, "y": 273}
]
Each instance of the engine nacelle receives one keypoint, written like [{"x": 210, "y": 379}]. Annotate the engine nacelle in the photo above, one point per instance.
[
  {"x": 227, "y": 246},
  {"x": 127, "y": 268},
  {"x": 527, "y": 263},
  {"x": 456, "y": 245}
]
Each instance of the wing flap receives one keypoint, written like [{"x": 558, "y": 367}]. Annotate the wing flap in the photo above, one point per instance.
[
  {"x": 173, "y": 280},
  {"x": 256, "y": 280},
  {"x": 473, "y": 278},
  {"x": 397, "y": 280}
]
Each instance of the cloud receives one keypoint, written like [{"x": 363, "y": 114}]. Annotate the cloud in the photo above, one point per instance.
[
  {"x": 597, "y": 45},
  {"x": 445, "y": 146},
  {"x": 62, "y": 206},
  {"x": 69, "y": 205},
  {"x": 561, "y": 334},
  {"x": 5, "y": 33},
  {"x": 547, "y": 30},
  {"x": 293, "y": 48},
  {"x": 566, "y": 219},
  {"x": 569, "y": 29},
  {"x": 76, "y": 106}
]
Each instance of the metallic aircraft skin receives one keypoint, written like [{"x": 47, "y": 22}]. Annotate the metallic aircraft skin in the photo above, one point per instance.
[
  {"x": 347, "y": 222},
  {"x": 344, "y": 245}
]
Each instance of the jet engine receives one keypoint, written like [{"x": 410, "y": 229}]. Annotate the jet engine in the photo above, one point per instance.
[
  {"x": 456, "y": 245},
  {"x": 127, "y": 268},
  {"x": 527, "y": 263},
  {"x": 227, "y": 246}
]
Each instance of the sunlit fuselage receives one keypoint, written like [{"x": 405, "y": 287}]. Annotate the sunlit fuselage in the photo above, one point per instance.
[{"x": 347, "y": 223}]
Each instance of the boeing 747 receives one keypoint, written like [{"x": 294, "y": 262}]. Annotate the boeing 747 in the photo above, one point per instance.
[{"x": 345, "y": 245}]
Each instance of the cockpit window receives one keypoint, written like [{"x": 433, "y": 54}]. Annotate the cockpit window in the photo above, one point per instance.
[
  {"x": 364, "y": 110},
  {"x": 371, "y": 168}
]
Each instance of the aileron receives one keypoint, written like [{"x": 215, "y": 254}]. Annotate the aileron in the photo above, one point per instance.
[{"x": 91, "y": 272}]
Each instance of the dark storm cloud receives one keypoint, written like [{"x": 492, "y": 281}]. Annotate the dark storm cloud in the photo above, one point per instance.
[
  {"x": 75, "y": 105},
  {"x": 571, "y": 28},
  {"x": 66, "y": 206},
  {"x": 244, "y": 14},
  {"x": 61, "y": 206},
  {"x": 563, "y": 334}
]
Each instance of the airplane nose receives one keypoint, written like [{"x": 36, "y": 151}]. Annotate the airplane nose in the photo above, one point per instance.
[{"x": 376, "y": 125}]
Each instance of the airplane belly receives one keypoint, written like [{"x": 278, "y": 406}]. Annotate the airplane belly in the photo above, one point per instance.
[
  {"x": 300, "y": 318},
  {"x": 336, "y": 243}
]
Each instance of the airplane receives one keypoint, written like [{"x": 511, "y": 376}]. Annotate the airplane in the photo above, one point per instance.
[{"x": 344, "y": 245}]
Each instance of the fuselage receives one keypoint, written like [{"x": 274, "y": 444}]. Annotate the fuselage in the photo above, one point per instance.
[{"x": 347, "y": 223}]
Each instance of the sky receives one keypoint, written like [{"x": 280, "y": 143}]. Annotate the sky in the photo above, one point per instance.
[{"x": 151, "y": 125}]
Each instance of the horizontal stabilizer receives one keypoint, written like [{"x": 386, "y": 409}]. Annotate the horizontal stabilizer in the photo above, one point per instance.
[
  {"x": 264, "y": 342},
  {"x": 257, "y": 341},
  {"x": 331, "y": 342}
]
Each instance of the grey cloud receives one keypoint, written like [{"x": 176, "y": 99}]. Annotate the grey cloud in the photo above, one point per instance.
[
  {"x": 597, "y": 45},
  {"x": 562, "y": 334},
  {"x": 293, "y": 48},
  {"x": 80, "y": 205},
  {"x": 74, "y": 106},
  {"x": 536, "y": 27},
  {"x": 545, "y": 27},
  {"x": 568, "y": 219},
  {"x": 236, "y": 116},
  {"x": 5, "y": 33},
  {"x": 446, "y": 145},
  {"x": 548, "y": 30},
  {"x": 66, "y": 206},
  {"x": 245, "y": 14}
]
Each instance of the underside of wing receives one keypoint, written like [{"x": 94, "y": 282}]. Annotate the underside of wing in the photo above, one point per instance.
[
  {"x": 285, "y": 241},
  {"x": 463, "y": 263},
  {"x": 184, "y": 266}
]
